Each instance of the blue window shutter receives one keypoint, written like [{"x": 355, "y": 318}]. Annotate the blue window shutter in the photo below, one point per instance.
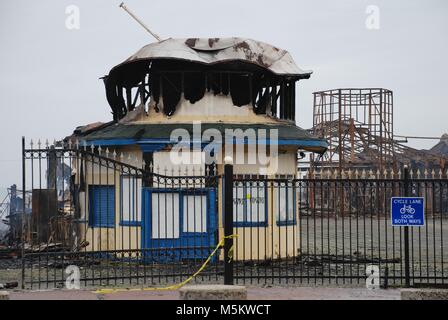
[{"x": 102, "y": 206}]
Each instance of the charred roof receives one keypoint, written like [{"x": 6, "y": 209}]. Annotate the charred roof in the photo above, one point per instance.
[
  {"x": 251, "y": 72},
  {"x": 209, "y": 51}
]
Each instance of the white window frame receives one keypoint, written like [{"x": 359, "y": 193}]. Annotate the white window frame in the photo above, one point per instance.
[{"x": 130, "y": 200}]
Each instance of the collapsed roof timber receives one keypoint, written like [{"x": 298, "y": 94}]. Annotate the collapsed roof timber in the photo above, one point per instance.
[{"x": 251, "y": 72}]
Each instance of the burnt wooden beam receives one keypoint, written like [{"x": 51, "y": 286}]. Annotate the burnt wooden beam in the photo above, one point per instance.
[
  {"x": 129, "y": 98},
  {"x": 293, "y": 100}
]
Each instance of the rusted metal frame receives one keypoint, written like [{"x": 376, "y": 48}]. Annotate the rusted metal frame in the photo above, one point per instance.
[{"x": 353, "y": 102}]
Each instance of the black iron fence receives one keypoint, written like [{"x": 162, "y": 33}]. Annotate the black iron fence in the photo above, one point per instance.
[
  {"x": 111, "y": 219},
  {"x": 338, "y": 231}
]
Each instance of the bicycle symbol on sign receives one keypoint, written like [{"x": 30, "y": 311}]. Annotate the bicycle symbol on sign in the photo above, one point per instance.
[{"x": 407, "y": 209}]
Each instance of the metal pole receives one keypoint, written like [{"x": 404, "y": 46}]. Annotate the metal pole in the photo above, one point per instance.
[
  {"x": 23, "y": 213},
  {"x": 139, "y": 21},
  {"x": 228, "y": 223},
  {"x": 407, "y": 273}
]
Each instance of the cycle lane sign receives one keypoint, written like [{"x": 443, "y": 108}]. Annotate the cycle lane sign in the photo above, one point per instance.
[{"x": 408, "y": 211}]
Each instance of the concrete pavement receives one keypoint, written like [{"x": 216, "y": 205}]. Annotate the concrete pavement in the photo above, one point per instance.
[{"x": 253, "y": 293}]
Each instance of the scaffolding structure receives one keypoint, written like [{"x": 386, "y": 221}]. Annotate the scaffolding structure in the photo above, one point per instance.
[{"x": 358, "y": 125}]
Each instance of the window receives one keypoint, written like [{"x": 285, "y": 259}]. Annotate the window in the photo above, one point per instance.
[
  {"x": 165, "y": 215},
  {"x": 194, "y": 213},
  {"x": 131, "y": 200},
  {"x": 284, "y": 203},
  {"x": 249, "y": 203},
  {"x": 102, "y": 206}
]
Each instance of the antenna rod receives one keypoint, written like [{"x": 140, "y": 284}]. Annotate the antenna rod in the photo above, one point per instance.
[{"x": 139, "y": 22}]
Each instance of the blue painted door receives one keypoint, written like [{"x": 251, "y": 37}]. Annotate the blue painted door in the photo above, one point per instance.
[{"x": 178, "y": 224}]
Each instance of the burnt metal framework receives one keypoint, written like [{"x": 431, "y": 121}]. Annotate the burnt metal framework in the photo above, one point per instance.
[
  {"x": 305, "y": 231},
  {"x": 166, "y": 82},
  {"x": 11, "y": 212},
  {"x": 358, "y": 125}
]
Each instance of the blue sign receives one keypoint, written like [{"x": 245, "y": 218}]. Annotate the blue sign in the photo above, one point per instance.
[{"x": 408, "y": 211}]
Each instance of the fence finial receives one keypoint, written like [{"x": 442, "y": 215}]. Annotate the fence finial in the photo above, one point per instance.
[
  {"x": 31, "y": 144},
  {"x": 363, "y": 174},
  {"x": 335, "y": 173},
  {"x": 392, "y": 173}
]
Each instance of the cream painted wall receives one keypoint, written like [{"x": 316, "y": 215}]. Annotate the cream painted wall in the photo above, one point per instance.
[
  {"x": 272, "y": 241},
  {"x": 210, "y": 108}
]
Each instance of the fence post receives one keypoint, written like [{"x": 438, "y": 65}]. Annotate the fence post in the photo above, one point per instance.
[
  {"x": 22, "y": 220},
  {"x": 228, "y": 224},
  {"x": 407, "y": 273}
]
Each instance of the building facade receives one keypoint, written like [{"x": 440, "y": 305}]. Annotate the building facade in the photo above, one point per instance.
[{"x": 180, "y": 107}]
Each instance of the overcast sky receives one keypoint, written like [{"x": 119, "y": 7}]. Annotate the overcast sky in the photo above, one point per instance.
[{"x": 49, "y": 74}]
